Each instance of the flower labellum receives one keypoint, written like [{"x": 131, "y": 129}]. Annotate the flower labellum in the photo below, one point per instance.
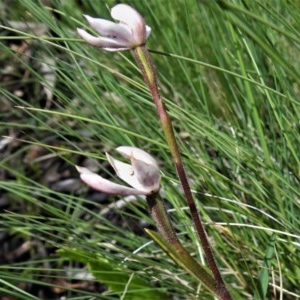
[
  {"x": 129, "y": 33},
  {"x": 142, "y": 174}
]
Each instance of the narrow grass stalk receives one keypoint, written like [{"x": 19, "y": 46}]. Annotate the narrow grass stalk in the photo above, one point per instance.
[{"x": 144, "y": 62}]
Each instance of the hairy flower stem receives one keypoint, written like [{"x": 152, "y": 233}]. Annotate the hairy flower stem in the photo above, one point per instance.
[
  {"x": 144, "y": 62},
  {"x": 173, "y": 247},
  {"x": 161, "y": 218}
]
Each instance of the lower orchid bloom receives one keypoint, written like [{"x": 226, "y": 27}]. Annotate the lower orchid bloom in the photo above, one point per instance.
[{"x": 142, "y": 174}]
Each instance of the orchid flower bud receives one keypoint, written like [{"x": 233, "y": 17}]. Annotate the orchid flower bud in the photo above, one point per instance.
[
  {"x": 142, "y": 174},
  {"x": 129, "y": 33}
]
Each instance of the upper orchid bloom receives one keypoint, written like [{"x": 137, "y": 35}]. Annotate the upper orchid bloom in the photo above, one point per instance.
[
  {"x": 130, "y": 32},
  {"x": 142, "y": 174}
]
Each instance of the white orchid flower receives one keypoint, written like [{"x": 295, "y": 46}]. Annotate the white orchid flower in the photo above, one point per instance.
[
  {"x": 130, "y": 32},
  {"x": 142, "y": 174}
]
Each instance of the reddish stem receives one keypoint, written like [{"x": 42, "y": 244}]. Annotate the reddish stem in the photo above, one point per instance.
[{"x": 144, "y": 62}]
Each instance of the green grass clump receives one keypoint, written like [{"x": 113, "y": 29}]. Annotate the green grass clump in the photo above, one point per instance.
[{"x": 229, "y": 73}]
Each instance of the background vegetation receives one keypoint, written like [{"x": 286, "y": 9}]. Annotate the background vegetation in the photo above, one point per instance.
[{"x": 229, "y": 73}]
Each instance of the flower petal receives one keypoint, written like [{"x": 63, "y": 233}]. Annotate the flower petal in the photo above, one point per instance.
[
  {"x": 148, "y": 31},
  {"x": 129, "y": 16},
  {"x": 137, "y": 153},
  {"x": 102, "y": 42},
  {"x": 110, "y": 29},
  {"x": 125, "y": 172},
  {"x": 144, "y": 168},
  {"x": 101, "y": 184}
]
